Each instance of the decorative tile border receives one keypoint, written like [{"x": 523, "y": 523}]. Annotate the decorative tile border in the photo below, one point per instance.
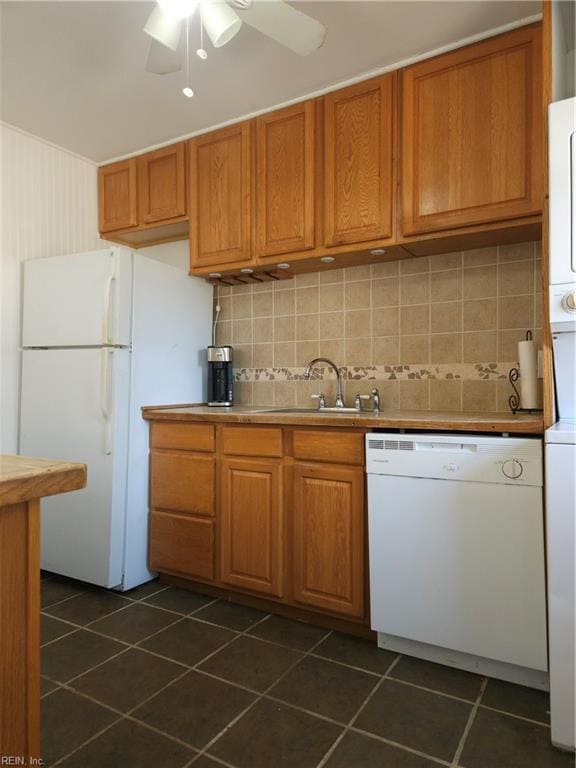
[{"x": 461, "y": 371}]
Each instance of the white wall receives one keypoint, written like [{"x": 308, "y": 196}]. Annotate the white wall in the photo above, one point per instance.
[
  {"x": 176, "y": 254},
  {"x": 563, "y": 44},
  {"x": 48, "y": 206}
]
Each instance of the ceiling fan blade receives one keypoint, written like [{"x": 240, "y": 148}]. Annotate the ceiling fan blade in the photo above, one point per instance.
[
  {"x": 285, "y": 24},
  {"x": 162, "y": 60}
]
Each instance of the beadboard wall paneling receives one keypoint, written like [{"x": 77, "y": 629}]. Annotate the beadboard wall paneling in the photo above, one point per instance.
[{"x": 48, "y": 207}]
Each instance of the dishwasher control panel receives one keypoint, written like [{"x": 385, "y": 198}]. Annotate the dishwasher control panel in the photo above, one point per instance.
[{"x": 456, "y": 457}]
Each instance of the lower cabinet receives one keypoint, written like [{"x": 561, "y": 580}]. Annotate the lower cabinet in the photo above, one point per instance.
[
  {"x": 182, "y": 544},
  {"x": 251, "y": 520},
  {"x": 328, "y": 544}
]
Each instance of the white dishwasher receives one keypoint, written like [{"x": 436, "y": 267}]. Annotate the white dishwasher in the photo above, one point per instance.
[{"x": 456, "y": 542}]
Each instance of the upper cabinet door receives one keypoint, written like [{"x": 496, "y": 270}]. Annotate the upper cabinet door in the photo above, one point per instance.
[
  {"x": 162, "y": 184},
  {"x": 358, "y": 162},
  {"x": 472, "y": 134},
  {"x": 285, "y": 157},
  {"x": 220, "y": 197},
  {"x": 118, "y": 204}
]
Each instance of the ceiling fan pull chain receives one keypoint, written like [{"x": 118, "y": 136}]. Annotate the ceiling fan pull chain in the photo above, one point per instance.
[
  {"x": 201, "y": 52},
  {"x": 187, "y": 90}
]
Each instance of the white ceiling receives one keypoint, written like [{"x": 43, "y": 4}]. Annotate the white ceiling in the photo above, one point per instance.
[{"x": 73, "y": 72}]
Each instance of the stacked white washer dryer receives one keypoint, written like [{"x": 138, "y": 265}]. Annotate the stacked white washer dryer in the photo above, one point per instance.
[{"x": 561, "y": 438}]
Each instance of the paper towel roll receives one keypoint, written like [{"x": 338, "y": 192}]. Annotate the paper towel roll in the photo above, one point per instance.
[{"x": 527, "y": 357}]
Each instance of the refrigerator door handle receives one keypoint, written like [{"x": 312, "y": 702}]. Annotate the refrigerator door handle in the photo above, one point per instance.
[
  {"x": 105, "y": 400},
  {"x": 106, "y": 338}
]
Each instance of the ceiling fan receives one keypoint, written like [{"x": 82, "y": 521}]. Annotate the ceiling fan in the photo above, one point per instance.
[{"x": 222, "y": 20}]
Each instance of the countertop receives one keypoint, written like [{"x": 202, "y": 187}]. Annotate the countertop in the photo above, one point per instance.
[
  {"x": 23, "y": 478},
  {"x": 415, "y": 420}
]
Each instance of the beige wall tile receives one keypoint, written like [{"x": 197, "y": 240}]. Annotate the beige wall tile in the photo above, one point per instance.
[
  {"x": 516, "y": 252},
  {"x": 284, "y": 329},
  {"x": 362, "y": 272},
  {"x": 446, "y": 317},
  {"x": 516, "y": 312},
  {"x": 225, "y": 308},
  {"x": 415, "y": 349},
  {"x": 224, "y": 332},
  {"x": 331, "y": 325},
  {"x": 332, "y": 298},
  {"x": 261, "y": 287},
  {"x": 446, "y": 261},
  {"x": 307, "y": 327},
  {"x": 307, "y": 279},
  {"x": 480, "y": 314},
  {"x": 243, "y": 356},
  {"x": 386, "y": 292},
  {"x": 415, "y": 319},
  {"x": 446, "y": 348},
  {"x": 508, "y": 345},
  {"x": 282, "y": 285},
  {"x": 446, "y": 286},
  {"x": 284, "y": 354},
  {"x": 479, "y": 347},
  {"x": 479, "y": 396},
  {"x": 238, "y": 289},
  {"x": 359, "y": 352},
  {"x": 306, "y": 300},
  {"x": 386, "y": 321},
  {"x": 503, "y": 392},
  {"x": 477, "y": 257},
  {"x": 284, "y": 394},
  {"x": 415, "y": 289},
  {"x": 389, "y": 394},
  {"x": 224, "y": 290},
  {"x": 331, "y": 276},
  {"x": 306, "y": 351},
  {"x": 263, "y": 329},
  {"x": 385, "y": 350},
  {"x": 357, "y": 323},
  {"x": 445, "y": 394},
  {"x": 480, "y": 282},
  {"x": 538, "y": 309},
  {"x": 262, "y": 304},
  {"x": 357, "y": 295},
  {"x": 242, "y": 331},
  {"x": 414, "y": 395},
  {"x": 385, "y": 269},
  {"x": 284, "y": 302},
  {"x": 333, "y": 349},
  {"x": 241, "y": 305},
  {"x": 243, "y": 392},
  {"x": 515, "y": 278},
  {"x": 263, "y": 355},
  {"x": 415, "y": 266},
  {"x": 263, "y": 393}
]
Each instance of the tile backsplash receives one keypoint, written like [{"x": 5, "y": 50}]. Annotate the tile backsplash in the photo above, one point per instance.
[{"x": 433, "y": 333}]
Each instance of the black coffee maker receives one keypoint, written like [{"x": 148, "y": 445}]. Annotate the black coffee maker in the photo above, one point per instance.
[{"x": 220, "y": 383}]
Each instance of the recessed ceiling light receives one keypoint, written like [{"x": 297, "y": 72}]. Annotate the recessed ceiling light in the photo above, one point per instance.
[
  {"x": 377, "y": 251},
  {"x": 327, "y": 259},
  {"x": 283, "y": 265},
  {"x": 188, "y": 92},
  {"x": 215, "y": 274},
  {"x": 247, "y": 270}
]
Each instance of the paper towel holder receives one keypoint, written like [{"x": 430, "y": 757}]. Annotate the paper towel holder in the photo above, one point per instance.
[{"x": 514, "y": 399}]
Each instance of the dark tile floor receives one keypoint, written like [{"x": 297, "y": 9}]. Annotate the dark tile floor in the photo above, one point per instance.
[{"x": 165, "y": 678}]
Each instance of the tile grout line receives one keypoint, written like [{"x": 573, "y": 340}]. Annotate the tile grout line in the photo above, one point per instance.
[{"x": 469, "y": 724}]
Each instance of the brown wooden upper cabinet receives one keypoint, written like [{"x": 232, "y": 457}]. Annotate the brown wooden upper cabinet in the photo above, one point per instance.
[
  {"x": 220, "y": 196},
  {"x": 285, "y": 180},
  {"x": 117, "y": 192},
  {"x": 358, "y": 162},
  {"x": 472, "y": 134},
  {"x": 162, "y": 184}
]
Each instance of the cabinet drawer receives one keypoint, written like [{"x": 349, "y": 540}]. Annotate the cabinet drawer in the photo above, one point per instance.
[
  {"x": 183, "y": 437},
  {"x": 182, "y": 545},
  {"x": 182, "y": 482},
  {"x": 331, "y": 446},
  {"x": 252, "y": 441}
]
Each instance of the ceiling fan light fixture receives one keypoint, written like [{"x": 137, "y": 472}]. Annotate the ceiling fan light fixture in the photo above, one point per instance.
[
  {"x": 164, "y": 28},
  {"x": 221, "y": 22},
  {"x": 179, "y": 9}
]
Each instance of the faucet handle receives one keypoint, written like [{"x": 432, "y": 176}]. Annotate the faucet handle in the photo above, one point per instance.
[
  {"x": 358, "y": 401},
  {"x": 321, "y": 400},
  {"x": 376, "y": 399}
]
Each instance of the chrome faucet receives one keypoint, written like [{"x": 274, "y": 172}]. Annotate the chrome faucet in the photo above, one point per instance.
[{"x": 339, "y": 392}]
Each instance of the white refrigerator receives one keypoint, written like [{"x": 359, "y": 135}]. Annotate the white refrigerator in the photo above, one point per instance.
[{"x": 104, "y": 333}]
